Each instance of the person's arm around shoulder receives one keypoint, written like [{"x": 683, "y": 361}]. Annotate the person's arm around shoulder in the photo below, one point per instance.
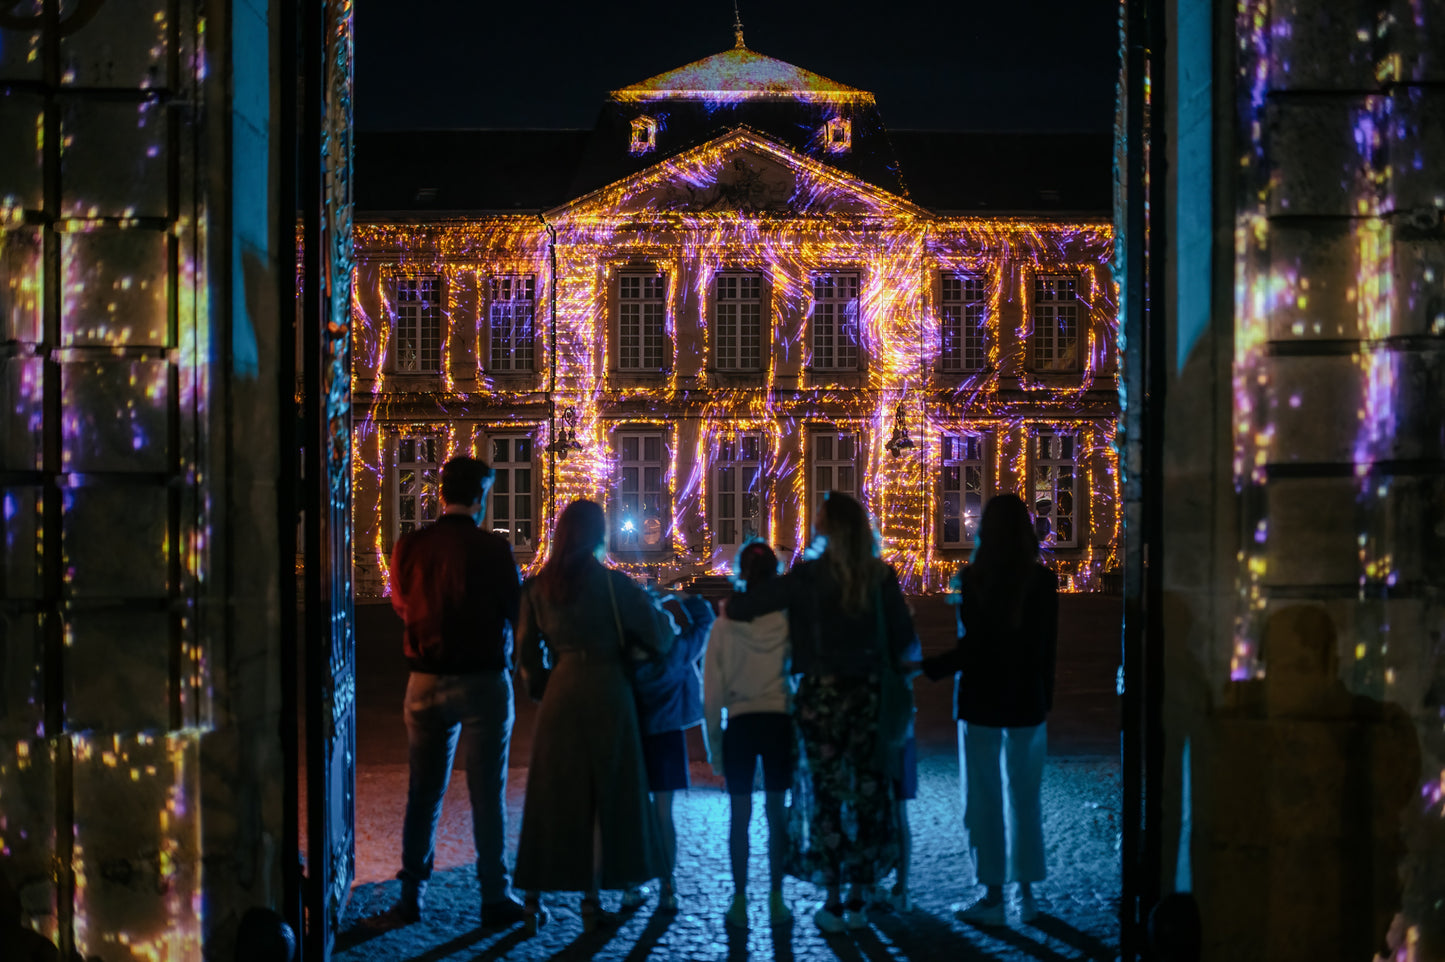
[
  {"x": 774, "y": 594},
  {"x": 650, "y": 625},
  {"x": 695, "y": 634}
]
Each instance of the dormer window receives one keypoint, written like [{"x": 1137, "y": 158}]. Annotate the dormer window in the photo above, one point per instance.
[
  {"x": 644, "y": 135},
  {"x": 838, "y": 135}
]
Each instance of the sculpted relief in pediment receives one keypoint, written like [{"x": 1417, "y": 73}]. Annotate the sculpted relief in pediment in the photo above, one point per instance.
[{"x": 746, "y": 183}]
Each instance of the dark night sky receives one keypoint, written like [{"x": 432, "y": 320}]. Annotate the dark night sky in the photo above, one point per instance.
[{"x": 946, "y": 64}]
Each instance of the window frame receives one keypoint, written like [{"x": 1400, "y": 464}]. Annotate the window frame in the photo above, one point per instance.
[
  {"x": 963, "y": 320},
  {"x": 958, "y": 441},
  {"x": 421, "y": 324},
  {"x": 644, "y": 328},
  {"x": 720, "y": 305},
  {"x": 1040, "y": 463},
  {"x": 813, "y": 462},
  {"x": 1045, "y": 313},
  {"x": 420, "y": 466},
  {"x": 736, "y": 498},
  {"x": 510, "y": 467},
  {"x": 836, "y": 338},
  {"x": 620, "y": 507},
  {"x": 522, "y": 356}
]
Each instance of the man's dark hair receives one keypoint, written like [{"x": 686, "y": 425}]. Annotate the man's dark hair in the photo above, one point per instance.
[{"x": 464, "y": 479}]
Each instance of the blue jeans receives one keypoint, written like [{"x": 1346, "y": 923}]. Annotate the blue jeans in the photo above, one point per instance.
[{"x": 439, "y": 708}]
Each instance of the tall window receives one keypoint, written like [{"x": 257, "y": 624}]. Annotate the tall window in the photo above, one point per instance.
[
  {"x": 738, "y": 331},
  {"x": 641, "y": 337},
  {"x": 962, "y": 496},
  {"x": 1055, "y": 488},
  {"x": 511, "y": 311},
  {"x": 418, "y": 471},
  {"x": 835, "y": 322},
  {"x": 418, "y": 303},
  {"x": 834, "y": 464},
  {"x": 640, "y": 521},
  {"x": 737, "y": 490},
  {"x": 509, "y": 512},
  {"x": 962, "y": 322},
  {"x": 1056, "y": 323}
]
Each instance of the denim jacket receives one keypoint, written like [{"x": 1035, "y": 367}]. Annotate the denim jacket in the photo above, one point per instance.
[{"x": 669, "y": 689}]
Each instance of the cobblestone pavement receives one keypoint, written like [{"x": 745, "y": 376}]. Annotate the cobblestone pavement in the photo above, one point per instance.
[{"x": 1079, "y": 902}]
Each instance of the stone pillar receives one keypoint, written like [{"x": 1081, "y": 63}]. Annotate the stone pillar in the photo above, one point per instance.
[{"x": 1305, "y": 481}]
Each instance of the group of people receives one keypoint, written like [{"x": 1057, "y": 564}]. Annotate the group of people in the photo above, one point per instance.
[{"x": 805, "y": 674}]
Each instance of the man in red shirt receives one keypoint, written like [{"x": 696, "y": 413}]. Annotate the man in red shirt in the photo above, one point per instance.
[{"x": 456, "y": 588}]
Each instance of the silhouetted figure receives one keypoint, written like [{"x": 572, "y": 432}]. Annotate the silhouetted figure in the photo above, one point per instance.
[
  {"x": 747, "y": 677},
  {"x": 456, "y": 588},
  {"x": 669, "y": 701},
  {"x": 1008, "y": 628},
  {"x": 264, "y": 936},
  {"x": 1175, "y": 929},
  {"x": 17, "y": 940},
  {"x": 587, "y": 823},
  {"x": 846, "y": 614}
]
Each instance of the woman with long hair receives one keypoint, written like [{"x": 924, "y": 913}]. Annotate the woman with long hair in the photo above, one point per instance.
[
  {"x": 587, "y": 823},
  {"x": 849, "y": 625},
  {"x": 1008, "y": 629}
]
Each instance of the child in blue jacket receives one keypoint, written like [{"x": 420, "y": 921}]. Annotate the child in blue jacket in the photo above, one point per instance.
[{"x": 669, "y": 701}]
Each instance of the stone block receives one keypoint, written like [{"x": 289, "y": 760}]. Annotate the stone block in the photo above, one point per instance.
[
  {"x": 1417, "y": 149},
  {"x": 116, "y": 290},
  {"x": 114, "y": 159},
  {"x": 1418, "y": 282},
  {"x": 1417, "y": 36},
  {"x": 21, "y": 158},
  {"x": 1314, "y": 274},
  {"x": 1323, "y": 153},
  {"x": 27, "y": 824},
  {"x": 1403, "y": 522},
  {"x": 122, "y": 46},
  {"x": 118, "y": 671},
  {"x": 1322, "y": 44},
  {"x": 1314, "y": 404},
  {"x": 1313, "y": 527}
]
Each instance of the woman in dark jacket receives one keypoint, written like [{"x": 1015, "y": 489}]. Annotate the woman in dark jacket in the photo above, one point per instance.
[
  {"x": 846, "y": 614},
  {"x": 1008, "y": 629},
  {"x": 669, "y": 701}
]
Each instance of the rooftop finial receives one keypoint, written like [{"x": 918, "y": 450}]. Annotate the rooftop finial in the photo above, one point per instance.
[{"x": 738, "y": 26}]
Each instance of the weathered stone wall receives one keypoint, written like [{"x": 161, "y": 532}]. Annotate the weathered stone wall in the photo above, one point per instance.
[{"x": 1304, "y": 493}]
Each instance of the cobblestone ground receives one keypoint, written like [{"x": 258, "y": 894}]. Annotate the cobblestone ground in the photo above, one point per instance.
[{"x": 1079, "y": 902}]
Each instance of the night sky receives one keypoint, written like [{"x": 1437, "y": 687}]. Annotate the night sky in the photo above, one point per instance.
[{"x": 959, "y": 65}]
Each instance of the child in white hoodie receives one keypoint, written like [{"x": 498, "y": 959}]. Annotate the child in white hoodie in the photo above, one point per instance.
[{"x": 746, "y": 675}]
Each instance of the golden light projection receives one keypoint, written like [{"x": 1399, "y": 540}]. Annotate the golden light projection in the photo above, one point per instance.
[{"x": 743, "y": 204}]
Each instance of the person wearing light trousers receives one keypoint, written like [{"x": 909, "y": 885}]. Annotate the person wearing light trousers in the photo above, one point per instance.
[{"x": 1008, "y": 627}]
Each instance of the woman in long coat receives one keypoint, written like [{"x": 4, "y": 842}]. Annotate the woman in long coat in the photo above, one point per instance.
[{"x": 587, "y": 823}]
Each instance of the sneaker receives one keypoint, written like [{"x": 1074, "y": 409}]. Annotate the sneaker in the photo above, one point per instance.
[
  {"x": 737, "y": 914},
  {"x": 829, "y": 918},
  {"x": 408, "y": 908},
  {"x": 504, "y": 913},
  {"x": 778, "y": 911},
  {"x": 1028, "y": 908},
  {"x": 633, "y": 898},
  {"x": 981, "y": 912}
]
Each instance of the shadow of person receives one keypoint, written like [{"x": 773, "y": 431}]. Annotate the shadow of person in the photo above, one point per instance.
[
  {"x": 1308, "y": 788},
  {"x": 919, "y": 935},
  {"x": 648, "y": 938},
  {"x": 1092, "y": 948}
]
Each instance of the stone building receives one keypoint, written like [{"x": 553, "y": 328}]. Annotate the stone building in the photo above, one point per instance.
[{"x": 734, "y": 293}]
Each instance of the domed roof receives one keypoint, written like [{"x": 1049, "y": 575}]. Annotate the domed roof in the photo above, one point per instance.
[{"x": 741, "y": 74}]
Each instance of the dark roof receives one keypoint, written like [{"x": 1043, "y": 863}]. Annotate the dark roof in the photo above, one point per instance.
[
  {"x": 416, "y": 173},
  {"x": 455, "y": 171},
  {"x": 981, "y": 171}
]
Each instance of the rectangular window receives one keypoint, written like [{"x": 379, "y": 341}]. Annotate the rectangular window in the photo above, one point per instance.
[
  {"x": 641, "y": 335},
  {"x": 1056, "y": 323},
  {"x": 418, "y": 302},
  {"x": 834, "y": 464},
  {"x": 962, "y": 497},
  {"x": 737, "y": 490},
  {"x": 418, "y": 471},
  {"x": 835, "y": 322},
  {"x": 511, "y": 311},
  {"x": 738, "y": 331},
  {"x": 509, "y": 512},
  {"x": 1055, "y": 488},
  {"x": 963, "y": 322},
  {"x": 640, "y": 520}
]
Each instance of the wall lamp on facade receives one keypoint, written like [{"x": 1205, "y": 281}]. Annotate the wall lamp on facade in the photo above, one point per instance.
[
  {"x": 565, "y": 441},
  {"x": 900, "y": 441}
]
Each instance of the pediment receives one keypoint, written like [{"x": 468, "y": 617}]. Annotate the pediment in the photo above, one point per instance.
[{"x": 741, "y": 174}]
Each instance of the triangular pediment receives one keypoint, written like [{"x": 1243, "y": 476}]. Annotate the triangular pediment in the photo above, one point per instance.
[
  {"x": 741, "y": 74},
  {"x": 740, "y": 173}
]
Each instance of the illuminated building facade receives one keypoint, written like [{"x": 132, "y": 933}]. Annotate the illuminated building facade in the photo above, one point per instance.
[{"x": 736, "y": 292}]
